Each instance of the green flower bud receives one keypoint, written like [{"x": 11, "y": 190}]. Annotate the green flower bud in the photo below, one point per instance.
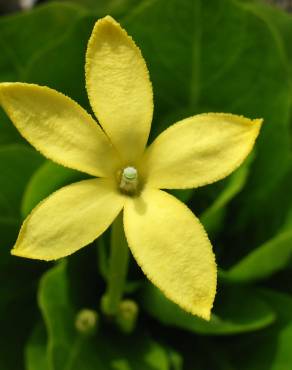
[
  {"x": 127, "y": 315},
  {"x": 86, "y": 322}
]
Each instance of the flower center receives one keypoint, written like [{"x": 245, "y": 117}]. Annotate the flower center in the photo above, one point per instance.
[{"x": 129, "y": 180}]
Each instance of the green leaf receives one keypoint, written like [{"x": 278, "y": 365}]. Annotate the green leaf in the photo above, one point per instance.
[
  {"x": 23, "y": 35},
  {"x": 280, "y": 24},
  {"x": 8, "y": 133},
  {"x": 182, "y": 194},
  {"x": 268, "y": 258},
  {"x": 8, "y": 231},
  {"x": 17, "y": 164},
  {"x": 254, "y": 226},
  {"x": 232, "y": 313},
  {"x": 50, "y": 68},
  {"x": 271, "y": 195},
  {"x": 175, "y": 359},
  {"x": 104, "y": 7},
  {"x": 213, "y": 217},
  {"x": 53, "y": 302},
  {"x": 68, "y": 349},
  {"x": 270, "y": 348},
  {"x": 17, "y": 315},
  {"x": 35, "y": 351},
  {"x": 47, "y": 179},
  {"x": 265, "y": 260}
]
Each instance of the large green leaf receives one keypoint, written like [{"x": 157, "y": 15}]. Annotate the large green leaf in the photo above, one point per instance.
[
  {"x": 8, "y": 133},
  {"x": 8, "y": 230},
  {"x": 68, "y": 349},
  {"x": 265, "y": 260},
  {"x": 35, "y": 351},
  {"x": 270, "y": 348},
  {"x": 256, "y": 221},
  {"x": 16, "y": 321},
  {"x": 17, "y": 164},
  {"x": 50, "y": 66},
  {"x": 103, "y": 7},
  {"x": 232, "y": 313},
  {"x": 270, "y": 257},
  {"x": 213, "y": 217},
  {"x": 17, "y": 277},
  {"x": 23, "y": 35},
  {"x": 280, "y": 24}
]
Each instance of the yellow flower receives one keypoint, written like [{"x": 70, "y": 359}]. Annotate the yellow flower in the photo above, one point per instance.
[{"x": 166, "y": 239}]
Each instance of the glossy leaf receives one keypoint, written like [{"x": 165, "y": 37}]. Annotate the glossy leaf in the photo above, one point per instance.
[
  {"x": 270, "y": 348},
  {"x": 8, "y": 133},
  {"x": 35, "y": 352},
  {"x": 263, "y": 261},
  {"x": 15, "y": 323},
  {"x": 48, "y": 67},
  {"x": 213, "y": 217},
  {"x": 23, "y": 35},
  {"x": 231, "y": 315},
  {"x": 17, "y": 163}
]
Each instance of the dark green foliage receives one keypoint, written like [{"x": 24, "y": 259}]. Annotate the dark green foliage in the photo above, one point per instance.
[{"x": 203, "y": 56}]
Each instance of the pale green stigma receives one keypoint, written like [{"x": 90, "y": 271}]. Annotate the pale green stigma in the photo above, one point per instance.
[
  {"x": 130, "y": 173},
  {"x": 129, "y": 180}
]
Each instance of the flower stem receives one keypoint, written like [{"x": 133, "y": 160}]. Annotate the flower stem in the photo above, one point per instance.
[{"x": 118, "y": 268}]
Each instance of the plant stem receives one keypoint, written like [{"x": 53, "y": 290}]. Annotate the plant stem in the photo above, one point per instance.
[{"x": 118, "y": 268}]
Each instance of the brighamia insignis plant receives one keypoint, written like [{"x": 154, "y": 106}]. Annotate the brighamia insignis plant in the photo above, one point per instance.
[{"x": 166, "y": 239}]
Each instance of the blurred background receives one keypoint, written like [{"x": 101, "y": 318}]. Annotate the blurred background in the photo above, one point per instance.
[
  {"x": 17, "y": 5},
  {"x": 285, "y": 4},
  {"x": 203, "y": 56}
]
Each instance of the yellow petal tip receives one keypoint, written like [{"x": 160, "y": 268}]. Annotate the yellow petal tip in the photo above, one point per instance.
[
  {"x": 204, "y": 315},
  {"x": 197, "y": 310},
  {"x": 202, "y": 311},
  {"x": 258, "y": 121},
  {"x": 107, "y": 21},
  {"x": 13, "y": 252},
  {"x": 17, "y": 252},
  {"x": 106, "y": 26},
  {"x": 108, "y": 18}
]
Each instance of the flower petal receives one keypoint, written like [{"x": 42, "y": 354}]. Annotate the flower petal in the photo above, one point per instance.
[
  {"x": 199, "y": 150},
  {"x": 69, "y": 219},
  {"x": 173, "y": 250},
  {"x": 119, "y": 87},
  {"x": 59, "y": 128}
]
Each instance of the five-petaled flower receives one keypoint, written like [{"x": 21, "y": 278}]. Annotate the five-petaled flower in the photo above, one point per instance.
[{"x": 166, "y": 239}]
